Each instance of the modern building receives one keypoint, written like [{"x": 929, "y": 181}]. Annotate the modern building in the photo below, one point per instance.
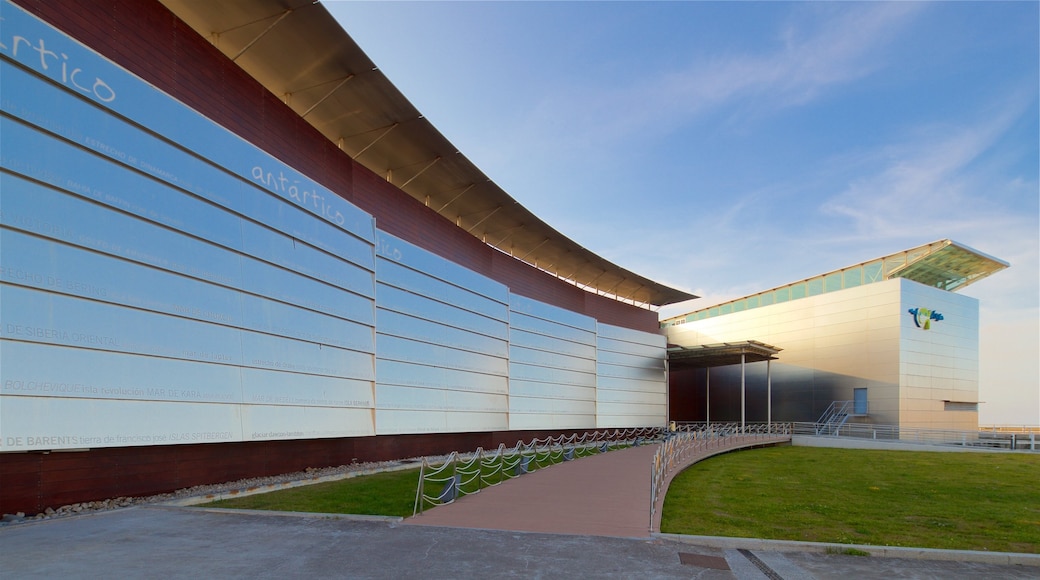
[
  {"x": 231, "y": 248},
  {"x": 890, "y": 335}
]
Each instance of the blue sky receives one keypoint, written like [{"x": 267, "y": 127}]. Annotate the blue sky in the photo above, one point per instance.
[{"x": 728, "y": 147}]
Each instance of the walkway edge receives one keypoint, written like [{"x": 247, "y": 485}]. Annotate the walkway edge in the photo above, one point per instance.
[{"x": 1006, "y": 558}]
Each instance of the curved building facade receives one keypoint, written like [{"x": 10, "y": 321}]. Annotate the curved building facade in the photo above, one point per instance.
[{"x": 197, "y": 285}]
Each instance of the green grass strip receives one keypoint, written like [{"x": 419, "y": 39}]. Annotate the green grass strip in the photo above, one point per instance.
[
  {"x": 381, "y": 494},
  {"x": 964, "y": 501}
]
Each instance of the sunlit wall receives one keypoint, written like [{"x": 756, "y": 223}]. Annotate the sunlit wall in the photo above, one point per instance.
[
  {"x": 164, "y": 281},
  {"x": 857, "y": 338}
]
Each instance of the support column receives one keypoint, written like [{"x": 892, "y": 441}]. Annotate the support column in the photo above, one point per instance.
[
  {"x": 769, "y": 397},
  {"x": 707, "y": 396},
  {"x": 743, "y": 406}
]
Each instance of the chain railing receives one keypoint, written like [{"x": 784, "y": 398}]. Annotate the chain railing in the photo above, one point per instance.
[
  {"x": 690, "y": 439},
  {"x": 464, "y": 474}
]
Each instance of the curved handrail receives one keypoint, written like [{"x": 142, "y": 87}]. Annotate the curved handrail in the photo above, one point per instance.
[{"x": 460, "y": 475}]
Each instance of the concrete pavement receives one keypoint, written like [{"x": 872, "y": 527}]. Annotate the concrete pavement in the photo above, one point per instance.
[{"x": 185, "y": 542}]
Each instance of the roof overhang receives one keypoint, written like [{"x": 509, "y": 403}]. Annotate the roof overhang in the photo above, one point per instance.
[
  {"x": 300, "y": 53},
  {"x": 720, "y": 354},
  {"x": 948, "y": 265}
]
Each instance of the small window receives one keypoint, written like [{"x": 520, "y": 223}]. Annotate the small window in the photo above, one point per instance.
[
  {"x": 752, "y": 302},
  {"x": 832, "y": 282},
  {"x": 853, "y": 277},
  {"x": 872, "y": 272},
  {"x": 960, "y": 406},
  {"x": 815, "y": 286},
  {"x": 782, "y": 295},
  {"x": 798, "y": 291},
  {"x": 766, "y": 298},
  {"x": 725, "y": 309}
]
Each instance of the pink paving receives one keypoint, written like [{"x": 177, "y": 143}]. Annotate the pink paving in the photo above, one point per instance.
[{"x": 600, "y": 495}]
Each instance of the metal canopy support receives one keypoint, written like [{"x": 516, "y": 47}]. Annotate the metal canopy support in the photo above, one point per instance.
[
  {"x": 421, "y": 171},
  {"x": 743, "y": 405},
  {"x": 707, "y": 395},
  {"x": 482, "y": 220},
  {"x": 327, "y": 95},
  {"x": 452, "y": 200},
  {"x": 250, "y": 44},
  {"x": 376, "y": 140}
]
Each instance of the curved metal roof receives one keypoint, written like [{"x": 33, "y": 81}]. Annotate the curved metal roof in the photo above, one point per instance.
[{"x": 298, "y": 51}]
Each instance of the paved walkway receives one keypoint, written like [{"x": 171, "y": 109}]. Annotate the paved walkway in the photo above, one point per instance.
[{"x": 601, "y": 495}]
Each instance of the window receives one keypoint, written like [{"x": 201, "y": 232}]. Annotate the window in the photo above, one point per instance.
[
  {"x": 853, "y": 277},
  {"x": 872, "y": 272},
  {"x": 815, "y": 286},
  {"x": 960, "y": 406},
  {"x": 832, "y": 282}
]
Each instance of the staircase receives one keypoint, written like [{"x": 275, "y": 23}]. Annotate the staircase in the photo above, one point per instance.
[{"x": 834, "y": 418}]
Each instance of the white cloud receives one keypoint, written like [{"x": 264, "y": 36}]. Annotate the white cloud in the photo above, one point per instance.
[{"x": 825, "y": 48}]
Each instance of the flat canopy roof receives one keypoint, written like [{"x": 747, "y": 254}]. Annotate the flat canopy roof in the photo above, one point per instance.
[
  {"x": 720, "y": 354},
  {"x": 298, "y": 51}
]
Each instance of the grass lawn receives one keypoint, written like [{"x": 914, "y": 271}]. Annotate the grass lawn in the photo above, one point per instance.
[
  {"x": 382, "y": 494},
  {"x": 964, "y": 501}
]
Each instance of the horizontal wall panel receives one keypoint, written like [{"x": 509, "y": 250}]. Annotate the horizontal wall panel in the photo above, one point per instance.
[
  {"x": 409, "y": 327},
  {"x": 411, "y": 351},
  {"x": 643, "y": 397},
  {"x": 395, "y": 249},
  {"x": 418, "y": 398},
  {"x": 539, "y": 421},
  {"x": 390, "y": 422},
  {"x": 625, "y": 384},
  {"x": 73, "y": 119},
  {"x": 145, "y": 104},
  {"x": 44, "y": 370},
  {"x": 630, "y": 421},
  {"x": 645, "y": 374},
  {"x": 610, "y": 345},
  {"x": 629, "y": 408},
  {"x": 550, "y": 375},
  {"x": 390, "y": 298},
  {"x": 557, "y": 406},
  {"x": 263, "y": 422},
  {"x": 393, "y": 274},
  {"x": 518, "y": 321},
  {"x": 526, "y": 339},
  {"x": 521, "y": 388},
  {"x": 34, "y": 316},
  {"x": 617, "y": 333},
  {"x": 265, "y": 387},
  {"x": 554, "y": 314},
  {"x": 60, "y": 423},
  {"x": 417, "y": 375},
  {"x": 53, "y": 266},
  {"x": 630, "y": 360},
  {"x": 543, "y": 358}
]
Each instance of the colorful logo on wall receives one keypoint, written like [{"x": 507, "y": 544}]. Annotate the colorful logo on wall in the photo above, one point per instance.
[{"x": 923, "y": 317}]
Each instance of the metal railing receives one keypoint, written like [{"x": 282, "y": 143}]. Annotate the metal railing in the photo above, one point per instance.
[
  {"x": 691, "y": 439},
  {"x": 916, "y": 435},
  {"x": 834, "y": 418},
  {"x": 463, "y": 474}
]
